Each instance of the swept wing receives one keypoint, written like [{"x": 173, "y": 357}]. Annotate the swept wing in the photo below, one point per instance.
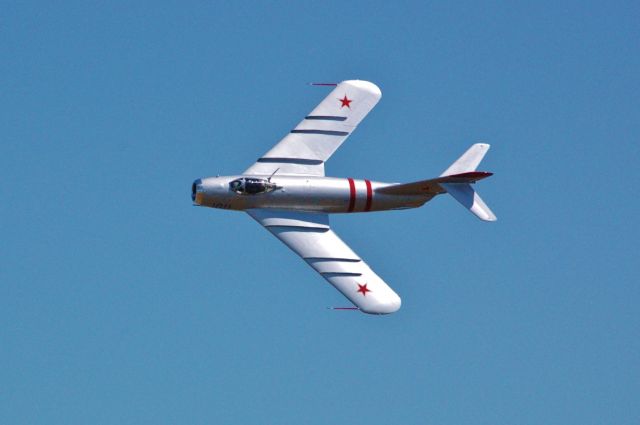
[
  {"x": 310, "y": 236},
  {"x": 312, "y": 142}
]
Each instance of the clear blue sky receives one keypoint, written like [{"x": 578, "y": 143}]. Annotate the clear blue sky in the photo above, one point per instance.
[{"x": 121, "y": 303}]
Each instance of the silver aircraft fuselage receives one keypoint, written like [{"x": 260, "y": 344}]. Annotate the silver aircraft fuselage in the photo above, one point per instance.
[
  {"x": 302, "y": 193},
  {"x": 286, "y": 192}
]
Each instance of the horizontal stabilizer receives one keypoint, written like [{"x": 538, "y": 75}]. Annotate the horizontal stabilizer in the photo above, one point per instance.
[{"x": 469, "y": 198}]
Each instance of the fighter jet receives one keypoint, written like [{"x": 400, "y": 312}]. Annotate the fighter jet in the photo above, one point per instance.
[{"x": 287, "y": 192}]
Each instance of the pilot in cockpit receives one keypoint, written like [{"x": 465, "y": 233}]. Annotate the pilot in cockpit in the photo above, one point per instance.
[{"x": 251, "y": 186}]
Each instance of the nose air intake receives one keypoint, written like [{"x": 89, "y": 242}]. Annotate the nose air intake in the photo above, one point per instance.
[{"x": 194, "y": 188}]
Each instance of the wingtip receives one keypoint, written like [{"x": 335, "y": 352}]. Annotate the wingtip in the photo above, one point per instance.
[{"x": 366, "y": 85}]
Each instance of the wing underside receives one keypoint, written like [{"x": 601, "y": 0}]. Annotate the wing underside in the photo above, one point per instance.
[
  {"x": 312, "y": 142},
  {"x": 310, "y": 236}
]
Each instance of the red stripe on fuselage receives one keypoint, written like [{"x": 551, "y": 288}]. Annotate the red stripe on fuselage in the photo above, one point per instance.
[
  {"x": 352, "y": 194},
  {"x": 367, "y": 207}
]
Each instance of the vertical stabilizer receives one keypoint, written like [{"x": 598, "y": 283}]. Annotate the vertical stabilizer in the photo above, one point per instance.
[
  {"x": 463, "y": 192},
  {"x": 469, "y": 160}
]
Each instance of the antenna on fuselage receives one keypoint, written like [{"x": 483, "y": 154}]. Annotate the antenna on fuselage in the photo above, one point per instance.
[{"x": 274, "y": 173}]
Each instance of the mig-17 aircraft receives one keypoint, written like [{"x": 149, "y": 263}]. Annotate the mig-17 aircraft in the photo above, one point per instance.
[{"x": 286, "y": 191}]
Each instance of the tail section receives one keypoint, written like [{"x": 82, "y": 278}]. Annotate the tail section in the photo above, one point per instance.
[
  {"x": 456, "y": 181},
  {"x": 462, "y": 191}
]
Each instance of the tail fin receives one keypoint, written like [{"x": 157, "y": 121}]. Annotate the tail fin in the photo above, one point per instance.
[
  {"x": 462, "y": 191},
  {"x": 469, "y": 160},
  {"x": 456, "y": 181}
]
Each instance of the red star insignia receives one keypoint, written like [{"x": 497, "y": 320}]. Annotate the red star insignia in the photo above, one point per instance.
[
  {"x": 363, "y": 289},
  {"x": 345, "y": 102}
]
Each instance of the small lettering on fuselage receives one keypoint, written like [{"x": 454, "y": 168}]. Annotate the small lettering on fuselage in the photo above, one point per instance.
[{"x": 221, "y": 206}]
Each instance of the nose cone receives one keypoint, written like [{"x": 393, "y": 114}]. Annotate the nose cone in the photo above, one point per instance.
[{"x": 195, "y": 188}]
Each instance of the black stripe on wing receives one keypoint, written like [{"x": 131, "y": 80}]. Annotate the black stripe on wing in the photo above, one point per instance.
[
  {"x": 325, "y": 118},
  {"x": 301, "y": 161},
  {"x": 324, "y": 132}
]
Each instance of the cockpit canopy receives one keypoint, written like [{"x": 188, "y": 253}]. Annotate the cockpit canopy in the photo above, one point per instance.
[{"x": 251, "y": 186}]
